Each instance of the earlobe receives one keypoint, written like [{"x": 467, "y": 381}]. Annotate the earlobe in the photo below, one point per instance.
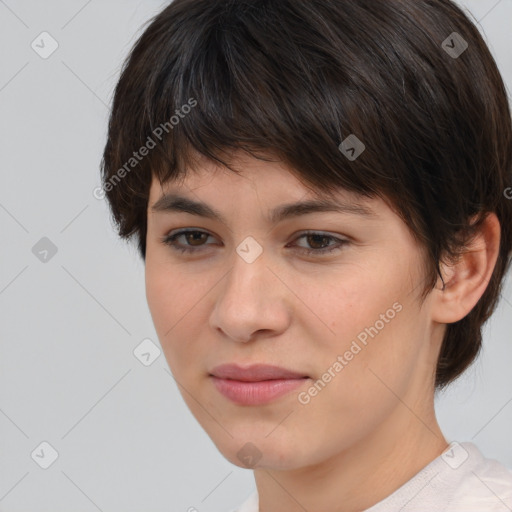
[{"x": 466, "y": 279}]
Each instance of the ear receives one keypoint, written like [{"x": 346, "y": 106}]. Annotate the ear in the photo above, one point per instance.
[{"x": 467, "y": 278}]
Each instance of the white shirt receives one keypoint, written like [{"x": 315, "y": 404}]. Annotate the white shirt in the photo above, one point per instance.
[{"x": 461, "y": 479}]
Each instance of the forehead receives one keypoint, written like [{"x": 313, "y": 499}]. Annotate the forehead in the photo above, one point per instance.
[
  {"x": 214, "y": 192},
  {"x": 269, "y": 181}
]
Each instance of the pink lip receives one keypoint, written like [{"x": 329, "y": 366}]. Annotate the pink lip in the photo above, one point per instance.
[{"x": 256, "y": 384}]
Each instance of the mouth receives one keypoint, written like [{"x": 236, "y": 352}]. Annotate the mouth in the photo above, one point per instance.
[{"x": 256, "y": 384}]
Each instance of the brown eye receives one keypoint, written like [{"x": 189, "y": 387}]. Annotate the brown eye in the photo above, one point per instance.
[
  {"x": 319, "y": 241},
  {"x": 193, "y": 238}
]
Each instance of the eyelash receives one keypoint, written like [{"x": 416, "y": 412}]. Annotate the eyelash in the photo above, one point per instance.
[{"x": 170, "y": 240}]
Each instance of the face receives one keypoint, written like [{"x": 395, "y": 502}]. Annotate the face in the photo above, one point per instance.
[{"x": 332, "y": 296}]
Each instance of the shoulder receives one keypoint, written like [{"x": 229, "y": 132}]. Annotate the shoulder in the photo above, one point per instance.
[
  {"x": 249, "y": 505},
  {"x": 487, "y": 486}
]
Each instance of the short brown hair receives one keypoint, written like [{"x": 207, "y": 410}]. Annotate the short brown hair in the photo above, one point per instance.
[{"x": 294, "y": 78}]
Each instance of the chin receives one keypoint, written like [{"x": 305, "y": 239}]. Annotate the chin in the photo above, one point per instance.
[{"x": 255, "y": 452}]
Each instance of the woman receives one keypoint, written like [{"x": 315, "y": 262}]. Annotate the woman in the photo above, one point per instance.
[{"x": 320, "y": 193}]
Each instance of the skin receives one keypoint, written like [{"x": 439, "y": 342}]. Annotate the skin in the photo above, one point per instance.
[{"x": 373, "y": 426}]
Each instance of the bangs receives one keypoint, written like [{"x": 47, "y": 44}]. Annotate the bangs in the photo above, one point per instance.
[{"x": 293, "y": 102}]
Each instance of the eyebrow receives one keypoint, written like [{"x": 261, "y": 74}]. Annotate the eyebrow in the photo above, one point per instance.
[{"x": 177, "y": 203}]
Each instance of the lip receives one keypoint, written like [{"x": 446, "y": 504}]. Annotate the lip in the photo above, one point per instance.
[
  {"x": 254, "y": 372},
  {"x": 256, "y": 384}
]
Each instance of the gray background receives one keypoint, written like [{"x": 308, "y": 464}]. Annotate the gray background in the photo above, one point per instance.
[{"x": 69, "y": 326}]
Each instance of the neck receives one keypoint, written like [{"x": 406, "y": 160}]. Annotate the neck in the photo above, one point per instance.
[{"x": 361, "y": 475}]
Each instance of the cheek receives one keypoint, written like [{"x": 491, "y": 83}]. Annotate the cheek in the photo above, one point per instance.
[
  {"x": 364, "y": 393},
  {"x": 169, "y": 293},
  {"x": 377, "y": 333},
  {"x": 175, "y": 301},
  {"x": 160, "y": 301},
  {"x": 353, "y": 305}
]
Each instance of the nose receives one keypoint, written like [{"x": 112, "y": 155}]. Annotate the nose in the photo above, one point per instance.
[{"x": 251, "y": 301}]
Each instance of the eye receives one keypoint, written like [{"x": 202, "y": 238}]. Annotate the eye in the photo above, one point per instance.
[
  {"x": 194, "y": 239},
  {"x": 315, "y": 238},
  {"x": 189, "y": 236}
]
